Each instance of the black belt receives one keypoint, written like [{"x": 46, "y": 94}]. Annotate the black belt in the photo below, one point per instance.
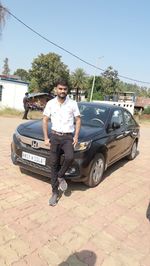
[{"x": 60, "y": 133}]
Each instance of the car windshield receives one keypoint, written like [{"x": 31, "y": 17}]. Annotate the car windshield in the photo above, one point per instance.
[{"x": 93, "y": 115}]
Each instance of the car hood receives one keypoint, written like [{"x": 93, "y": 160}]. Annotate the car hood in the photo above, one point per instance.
[{"x": 33, "y": 129}]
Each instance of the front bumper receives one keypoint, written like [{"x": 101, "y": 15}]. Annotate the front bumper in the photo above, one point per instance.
[{"x": 76, "y": 171}]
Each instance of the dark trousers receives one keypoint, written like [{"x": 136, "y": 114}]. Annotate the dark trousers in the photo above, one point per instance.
[
  {"x": 60, "y": 144},
  {"x": 26, "y": 110}
]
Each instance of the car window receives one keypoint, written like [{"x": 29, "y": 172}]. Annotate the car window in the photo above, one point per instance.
[
  {"x": 129, "y": 120},
  {"x": 93, "y": 115},
  {"x": 117, "y": 117}
]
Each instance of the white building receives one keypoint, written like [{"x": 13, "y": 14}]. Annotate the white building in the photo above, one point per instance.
[
  {"x": 12, "y": 92},
  {"x": 124, "y": 99}
]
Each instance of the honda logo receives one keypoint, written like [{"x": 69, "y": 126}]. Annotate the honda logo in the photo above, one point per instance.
[{"x": 34, "y": 144}]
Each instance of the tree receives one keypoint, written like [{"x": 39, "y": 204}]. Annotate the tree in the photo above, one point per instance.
[
  {"x": 79, "y": 81},
  {"x": 33, "y": 86},
  {"x": 6, "y": 69},
  {"x": 110, "y": 81},
  {"x": 46, "y": 69},
  {"x": 3, "y": 14},
  {"x": 22, "y": 73},
  {"x": 138, "y": 90},
  {"x": 98, "y": 88}
]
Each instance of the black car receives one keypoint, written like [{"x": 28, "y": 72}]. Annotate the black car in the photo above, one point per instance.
[{"x": 108, "y": 133}]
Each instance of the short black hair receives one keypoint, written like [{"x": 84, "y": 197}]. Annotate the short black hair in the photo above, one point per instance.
[{"x": 61, "y": 81}]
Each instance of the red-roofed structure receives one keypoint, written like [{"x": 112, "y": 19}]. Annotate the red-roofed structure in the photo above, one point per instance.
[{"x": 142, "y": 102}]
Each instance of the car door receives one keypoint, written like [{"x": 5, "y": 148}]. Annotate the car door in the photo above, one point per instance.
[
  {"x": 131, "y": 130},
  {"x": 116, "y": 140}
]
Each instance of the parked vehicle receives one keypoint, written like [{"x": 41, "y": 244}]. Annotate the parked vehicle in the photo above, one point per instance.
[
  {"x": 108, "y": 133},
  {"x": 37, "y": 101}
]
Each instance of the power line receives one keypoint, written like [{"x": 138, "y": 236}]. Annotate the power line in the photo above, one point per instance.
[{"x": 72, "y": 54}]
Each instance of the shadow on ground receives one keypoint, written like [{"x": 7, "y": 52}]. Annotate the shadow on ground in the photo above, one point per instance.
[
  {"x": 79, "y": 186},
  {"x": 81, "y": 258},
  {"x": 72, "y": 186},
  {"x": 116, "y": 166}
]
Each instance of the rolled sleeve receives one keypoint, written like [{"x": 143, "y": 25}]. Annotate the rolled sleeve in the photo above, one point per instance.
[{"x": 47, "y": 109}]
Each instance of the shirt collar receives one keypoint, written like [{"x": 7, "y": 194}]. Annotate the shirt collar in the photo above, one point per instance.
[{"x": 66, "y": 100}]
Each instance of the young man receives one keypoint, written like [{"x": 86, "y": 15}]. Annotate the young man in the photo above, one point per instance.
[{"x": 62, "y": 111}]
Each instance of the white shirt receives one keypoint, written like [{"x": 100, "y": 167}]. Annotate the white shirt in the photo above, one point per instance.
[{"x": 62, "y": 115}]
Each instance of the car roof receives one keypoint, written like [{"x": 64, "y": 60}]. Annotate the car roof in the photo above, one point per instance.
[{"x": 96, "y": 104}]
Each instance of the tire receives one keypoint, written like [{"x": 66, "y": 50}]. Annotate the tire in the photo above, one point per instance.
[
  {"x": 133, "y": 152},
  {"x": 96, "y": 172}
]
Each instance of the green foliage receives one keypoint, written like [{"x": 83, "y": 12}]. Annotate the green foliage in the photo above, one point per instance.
[
  {"x": 33, "y": 85},
  {"x": 97, "y": 96},
  {"x": 79, "y": 81},
  {"x": 22, "y": 73},
  {"x": 147, "y": 110},
  {"x": 98, "y": 90},
  {"x": 110, "y": 81},
  {"x": 46, "y": 69},
  {"x": 139, "y": 91}
]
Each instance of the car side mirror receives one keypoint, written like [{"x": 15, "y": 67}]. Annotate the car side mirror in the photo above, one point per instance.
[{"x": 115, "y": 125}]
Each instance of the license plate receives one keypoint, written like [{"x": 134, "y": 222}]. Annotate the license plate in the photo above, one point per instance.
[{"x": 33, "y": 158}]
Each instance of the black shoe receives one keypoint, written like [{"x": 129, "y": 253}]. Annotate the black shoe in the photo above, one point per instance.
[
  {"x": 62, "y": 184},
  {"x": 53, "y": 199}
]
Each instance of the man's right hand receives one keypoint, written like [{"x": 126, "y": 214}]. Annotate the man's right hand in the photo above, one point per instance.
[{"x": 47, "y": 142}]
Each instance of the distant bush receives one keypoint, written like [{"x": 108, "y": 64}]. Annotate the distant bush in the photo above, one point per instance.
[
  {"x": 147, "y": 110},
  {"x": 97, "y": 96}
]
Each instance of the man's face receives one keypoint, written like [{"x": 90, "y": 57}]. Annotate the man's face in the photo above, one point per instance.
[{"x": 61, "y": 91}]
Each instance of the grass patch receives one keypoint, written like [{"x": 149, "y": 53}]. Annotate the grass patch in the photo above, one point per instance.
[{"x": 11, "y": 112}]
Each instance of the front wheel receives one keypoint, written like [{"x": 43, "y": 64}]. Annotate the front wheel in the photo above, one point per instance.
[
  {"x": 133, "y": 152},
  {"x": 96, "y": 172}
]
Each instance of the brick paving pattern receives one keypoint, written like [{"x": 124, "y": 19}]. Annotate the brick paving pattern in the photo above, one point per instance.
[{"x": 102, "y": 226}]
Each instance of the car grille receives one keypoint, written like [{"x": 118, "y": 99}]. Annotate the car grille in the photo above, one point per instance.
[{"x": 34, "y": 143}]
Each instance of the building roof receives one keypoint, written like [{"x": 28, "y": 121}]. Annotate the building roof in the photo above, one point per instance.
[{"x": 12, "y": 78}]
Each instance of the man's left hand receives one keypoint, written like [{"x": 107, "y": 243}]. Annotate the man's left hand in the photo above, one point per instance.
[{"x": 75, "y": 141}]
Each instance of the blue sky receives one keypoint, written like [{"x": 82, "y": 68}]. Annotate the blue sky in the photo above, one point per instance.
[{"x": 101, "y": 32}]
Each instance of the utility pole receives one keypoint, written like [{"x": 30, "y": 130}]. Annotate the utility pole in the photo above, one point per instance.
[{"x": 93, "y": 83}]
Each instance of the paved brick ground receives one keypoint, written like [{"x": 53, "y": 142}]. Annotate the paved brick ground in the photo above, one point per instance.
[{"x": 104, "y": 226}]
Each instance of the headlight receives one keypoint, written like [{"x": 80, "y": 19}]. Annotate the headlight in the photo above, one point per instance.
[{"x": 81, "y": 146}]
